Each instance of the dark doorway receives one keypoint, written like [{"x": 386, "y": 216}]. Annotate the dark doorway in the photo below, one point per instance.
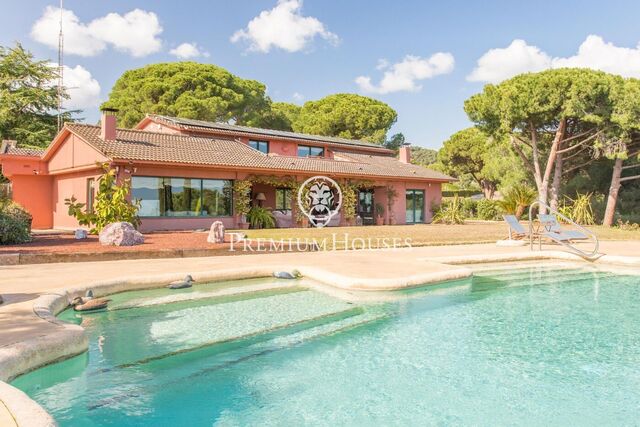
[{"x": 365, "y": 207}]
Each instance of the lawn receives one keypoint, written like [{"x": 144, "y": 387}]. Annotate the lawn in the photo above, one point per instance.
[{"x": 424, "y": 234}]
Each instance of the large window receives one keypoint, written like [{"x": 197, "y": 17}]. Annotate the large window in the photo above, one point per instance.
[
  {"x": 307, "y": 151},
  {"x": 182, "y": 197},
  {"x": 262, "y": 146},
  {"x": 415, "y": 206},
  {"x": 283, "y": 199}
]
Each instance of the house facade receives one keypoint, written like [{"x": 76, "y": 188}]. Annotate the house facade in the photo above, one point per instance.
[{"x": 186, "y": 173}]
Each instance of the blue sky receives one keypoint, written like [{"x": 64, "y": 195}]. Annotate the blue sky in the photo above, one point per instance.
[{"x": 321, "y": 47}]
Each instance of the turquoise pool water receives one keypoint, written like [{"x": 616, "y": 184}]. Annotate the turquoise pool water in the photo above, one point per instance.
[{"x": 517, "y": 346}]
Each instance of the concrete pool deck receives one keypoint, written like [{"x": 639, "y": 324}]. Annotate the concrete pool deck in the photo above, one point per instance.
[{"x": 30, "y": 337}]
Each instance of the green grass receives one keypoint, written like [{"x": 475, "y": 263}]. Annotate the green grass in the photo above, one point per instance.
[{"x": 424, "y": 234}]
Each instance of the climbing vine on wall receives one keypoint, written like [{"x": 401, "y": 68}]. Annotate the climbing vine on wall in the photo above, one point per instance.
[
  {"x": 242, "y": 196},
  {"x": 350, "y": 196},
  {"x": 242, "y": 189}
]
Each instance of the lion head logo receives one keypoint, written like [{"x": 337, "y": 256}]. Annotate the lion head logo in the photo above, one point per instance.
[{"x": 320, "y": 198}]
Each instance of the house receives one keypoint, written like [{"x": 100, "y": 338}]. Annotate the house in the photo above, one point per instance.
[{"x": 184, "y": 172}]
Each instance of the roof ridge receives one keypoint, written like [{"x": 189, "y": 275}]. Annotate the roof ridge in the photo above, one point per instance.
[
  {"x": 142, "y": 131},
  {"x": 296, "y": 135}
]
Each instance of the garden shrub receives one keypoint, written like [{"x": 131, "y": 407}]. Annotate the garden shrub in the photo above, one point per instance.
[
  {"x": 470, "y": 207},
  {"x": 15, "y": 224},
  {"x": 450, "y": 212},
  {"x": 111, "y": 203},
  {"x": 488, "y": 210},
  {"x": 628, "y": 226}
]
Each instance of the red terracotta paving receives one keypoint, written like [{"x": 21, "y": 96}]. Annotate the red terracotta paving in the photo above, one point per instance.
[{"x": 66, "y": 243}]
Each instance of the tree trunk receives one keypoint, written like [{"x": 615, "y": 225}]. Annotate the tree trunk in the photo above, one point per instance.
[
  {"x": 612, "y": 200},
  {"x": 488, "y": 188},
  {"x": 543, "y": 189},
  {"x": 555, "y": 185}
]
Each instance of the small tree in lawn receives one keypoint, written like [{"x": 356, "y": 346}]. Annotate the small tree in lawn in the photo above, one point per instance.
[{"x": 111, "y": 203}]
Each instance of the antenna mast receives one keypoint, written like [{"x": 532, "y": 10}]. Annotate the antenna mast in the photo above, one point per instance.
[{"x": 60, "y": 70}]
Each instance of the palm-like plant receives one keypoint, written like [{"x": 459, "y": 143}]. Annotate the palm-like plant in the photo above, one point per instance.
[
  {"x": 260, "y": 217},
  {"x": 580, "y": 210},
  {"x": 516, "y": 200}
]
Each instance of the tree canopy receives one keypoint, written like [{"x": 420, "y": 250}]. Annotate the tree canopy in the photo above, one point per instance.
[
  {"x": 191, "y": 90},
  {"x": 348, "y": 116},
  {"x": 547, "y": 115},
  {"x": 288, "y": 114},
  {"x": 423, "y": 156},
  {"x": 28, "y": 99},
  {"x": 464, "y": 154}
]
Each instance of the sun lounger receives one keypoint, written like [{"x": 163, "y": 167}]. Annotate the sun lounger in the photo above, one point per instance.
[
  {"x": 552, "y": 227},
  {"x": 516, "y": 230}
]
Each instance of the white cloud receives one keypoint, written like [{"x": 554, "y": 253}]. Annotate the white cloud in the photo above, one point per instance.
[
  {"x": 500, "y": 64},
  {"x": 283, "y": 27},
  {"x": 188, "y": 51},
  {"x": 382, "y": 64},
  {"x": 595, "y": 53},
  {"x": 82, "y": 88},
  {"x": 297, "y": 96},
  {"x": 135, "y": 32},
  {"x": 405, "y": 75}
]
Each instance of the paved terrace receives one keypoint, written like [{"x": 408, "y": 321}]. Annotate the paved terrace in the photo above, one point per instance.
[{"x": 21, "y": 285}]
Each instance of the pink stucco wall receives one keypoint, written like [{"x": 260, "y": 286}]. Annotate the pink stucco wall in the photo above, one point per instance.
[
  {"x": 66, "y": 186},
  {"x": 33, "y": 192},
  {"x": 74, "y": 153}
]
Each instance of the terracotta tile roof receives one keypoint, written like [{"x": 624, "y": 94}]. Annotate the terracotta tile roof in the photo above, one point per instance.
[
  {"x": 10, "y": 148},
  {"x": 203, "y": 126},
  {"x": 184, "y": 149}
]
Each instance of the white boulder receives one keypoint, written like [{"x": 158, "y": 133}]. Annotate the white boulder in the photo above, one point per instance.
[
  {"x": 120, "y": 234},
  {"x": 216, "y": 233}
]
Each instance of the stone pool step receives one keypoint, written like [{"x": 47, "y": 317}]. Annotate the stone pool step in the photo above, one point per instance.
[
  {"x": 178, "y": 367},
  {"x": 487, "y": 283},
  {"x": 192, "y": 328},
  {"x": 219, "y": 357},
  {"x": 226, "y": 294}
]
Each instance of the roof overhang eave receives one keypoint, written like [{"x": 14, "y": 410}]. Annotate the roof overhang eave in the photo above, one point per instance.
[{"x": 233, "y": 168}]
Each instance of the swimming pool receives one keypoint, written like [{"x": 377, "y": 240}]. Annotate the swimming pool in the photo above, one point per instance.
[{"x": 517, "y": 345}]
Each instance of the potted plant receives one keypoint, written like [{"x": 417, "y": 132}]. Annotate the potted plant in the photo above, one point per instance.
[
  {"x": 260, "y": 217},
  {"x": 243, "y": 223},
  {"x": 379, "y": 214}
]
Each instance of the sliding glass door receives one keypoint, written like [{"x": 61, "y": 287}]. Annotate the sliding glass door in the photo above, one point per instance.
[{"x": 415, "y": 206}]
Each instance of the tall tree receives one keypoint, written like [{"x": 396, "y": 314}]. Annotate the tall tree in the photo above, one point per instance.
[
  {"x": 191, "y": 90},
  {"x": 348, "y": 116},
  {"x": 622, "y": 142},
  {"x": 423, "y": 156},
  {"x": 395, "y": 142},
  {"x": 287, "y": 113},
  {"x": 465, "y": 153},
  {"x": 545, "y": 115},
  {"x": 28, "y": 98}
]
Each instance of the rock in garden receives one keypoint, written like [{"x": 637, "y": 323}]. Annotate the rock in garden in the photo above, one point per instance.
[
  {"x": 120, "y": 234},
  {"x": 80, "y": 234},
  {"x": 216, "y": 233}
]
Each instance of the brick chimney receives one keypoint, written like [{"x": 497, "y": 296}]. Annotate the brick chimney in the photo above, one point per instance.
[
  {"x": 108, "y": 124},
  {"x": 404, "y": 154}
]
